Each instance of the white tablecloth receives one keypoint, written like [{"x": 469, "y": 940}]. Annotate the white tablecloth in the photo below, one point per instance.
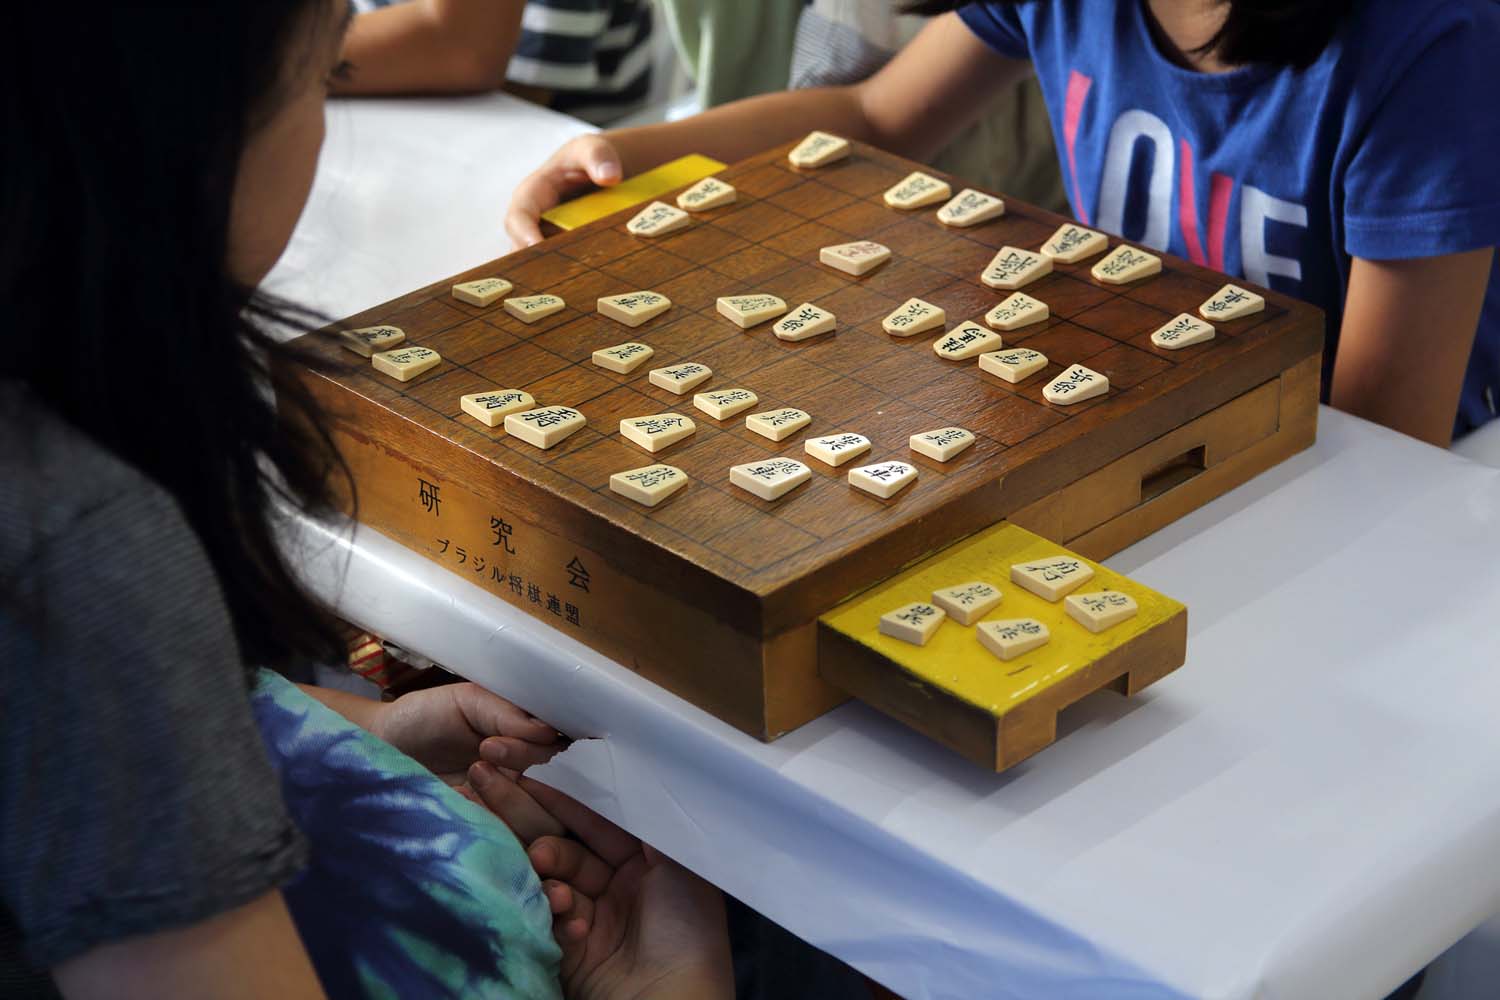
[{"x": 1310, "y": 808}]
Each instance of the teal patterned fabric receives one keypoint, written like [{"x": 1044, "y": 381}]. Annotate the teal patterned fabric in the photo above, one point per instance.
[{"x": 412, "y": 890}]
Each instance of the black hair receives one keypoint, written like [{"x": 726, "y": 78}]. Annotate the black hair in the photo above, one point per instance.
[
  {"x": 1280, "y": 32},
  {"x": 124, "y": 128}
]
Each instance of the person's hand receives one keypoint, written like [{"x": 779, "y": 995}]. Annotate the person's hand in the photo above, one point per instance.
[
  {"x": 632, "y": 923},
  {"x": 448, "y": 728},
  {"x": 588, "y": 160}
]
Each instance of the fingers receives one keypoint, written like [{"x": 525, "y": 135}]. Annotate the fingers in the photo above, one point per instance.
[
  {"x": 488, "y": 714},
  {"x": 500, "y": 794},
  {"x": 569, "y": 906},
  {"x": 569, "y": 861},
  {"x": 611, "y": 843},
  {"x": 599, "y": 159},
  {"x": 588, "y": 159},
  {"x": 508, "y": 753}
]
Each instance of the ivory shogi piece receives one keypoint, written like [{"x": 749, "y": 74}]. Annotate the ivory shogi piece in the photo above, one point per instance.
[
  {"x": 914, "y": 317},
  {"x": 1126, "y": 264},
  {"x": 970, "y": 208},
  {"x": 918, "y": 190},
  {"x": 405, "y": 363},
  {"x": 1100, "y": 610},
  {"x": 367, "y": 340},
  {"x": 1071, "y": 243},
  {"x": 658, "y": 431},
  {"x": 818, "y": 149},
  {"x": 1075, "y": 385},
  {"x": 942, "y": 444},
  {"x": 965, "y": 341},
  {"x": 914, "y": 623},
  {"x": 530, "y": 308},
  {"x": 750, "y": 310},
  {"x": 622, "y": 359},
  {"x": 855, "y": 258},
  {"x": 1014, "y": 365},
  {"x": 1014, "y": 268},
  {"x": 633, "y": 308},
  {"x": 836, "y": 449},
  {"x": 807, "y": 320},
  {"x": 681, "y": 378},
  {"x": 1053, "y": 577},
  {"x": 482, "y": 292},
  {"x": 708, "y": 193},
  {"x": 725, "y": 403},
  {"x": 967, "y": 602},
  {"x": 658, "y": 219},
  {"x": 648, "y": 485},
  {"x": 778, "y": 424},
  {"x": 1009, "y": 638},
  {"x": 1018, "y": 310},
  {"x": 544, "y": 427},
  {"x": 1231, "y": 302},
  {"x": 883, "y": 479},
  {"x": 1184, "y": 331},
  {"x": 771, "y": 479},
  {"x": 491, "y": 408}
]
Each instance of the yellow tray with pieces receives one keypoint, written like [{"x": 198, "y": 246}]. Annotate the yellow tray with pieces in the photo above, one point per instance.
[{"x": 999, "y": 711}]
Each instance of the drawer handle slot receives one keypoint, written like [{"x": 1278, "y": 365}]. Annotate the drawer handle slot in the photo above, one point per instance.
[{"x": 1173, "y": 472}]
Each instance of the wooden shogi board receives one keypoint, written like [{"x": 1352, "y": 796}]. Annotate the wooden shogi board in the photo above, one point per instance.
[{"x": 715, "y": 594}]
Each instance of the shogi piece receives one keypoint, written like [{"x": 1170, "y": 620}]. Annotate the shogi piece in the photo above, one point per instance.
[
  {"x": 836, "y": 449},
  {"x": 1014, "y": 365},
  {"x": 807, "y": 320},
  {"x": 771, "y": 479},
  {"x": 483, "y": 292},
  {"x": 967, "y": 602},
  {"x": 1231, "y": 302},
  {"x": 778, "y": 425},
  {"x": 855, "y": 258},
  {"x": 633, "y": 308},
  {"x": 918, "y": 190},
  {"x": 725, "y": 403},
  {"x": 706, "y": 194},
  {"x": 1100, "y": 610},
  {"x": 405, "y": 363},
  {"x": 658, "y": 219},
  {"x": 1017, "y": 311},
  {"x": 544, "y": 427},
  {"x": 1075, "y": 385},
  {"x": 650, "y": 484},
  {"x": 914, "y": 317},
  {"x": 818, "y": 149},
  {"x": 883, "y": 479},
  {"x": 622, "y": 359},
  {"x": 1053, "y": 577},
  {"x": 750, "y": 310},
  {"x": 530, "y": 308},
  {"x": 367, "y": 340},
  {"x": 1126, "y": 264},
  {"x": 1072, "y": 243},
  {"x": 965, "y": 341},
  {"x": 1009, "y": 638},
  {"x": 491, "y": 408},
  {"x": 970, "y": 208},
  {"x": 1015, "y": 268},
  {"x": 1184, "y": 331},
  {"x": 658, "y": 431},
  {"x": 942, "y": 444},
  {"x": 913, "y": 623},
  {"x": 681, "y": 378}
]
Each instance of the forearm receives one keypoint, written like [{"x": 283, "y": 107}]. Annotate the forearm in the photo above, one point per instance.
[
  {"x": 430, "y": 46},
  {"x": 361, "y": 711}
]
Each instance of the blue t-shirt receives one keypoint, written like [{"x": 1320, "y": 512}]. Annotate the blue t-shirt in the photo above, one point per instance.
[{"x": 1387, "y": 147}]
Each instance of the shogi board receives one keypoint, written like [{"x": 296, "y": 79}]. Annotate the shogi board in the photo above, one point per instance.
[{"x": 714, "y": 593}]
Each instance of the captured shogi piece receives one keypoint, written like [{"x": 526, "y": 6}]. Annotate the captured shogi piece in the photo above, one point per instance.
[{"x": 718, "y": 574}]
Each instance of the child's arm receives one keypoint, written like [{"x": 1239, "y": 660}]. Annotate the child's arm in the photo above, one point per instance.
[
  {"x": 430, "y": 46},
  {"x": 1407, "y": 332},
  {"x": 921, "y": 99}
]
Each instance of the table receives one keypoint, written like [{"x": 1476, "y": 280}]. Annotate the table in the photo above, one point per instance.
[{"x": 1307, "y": 809}]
